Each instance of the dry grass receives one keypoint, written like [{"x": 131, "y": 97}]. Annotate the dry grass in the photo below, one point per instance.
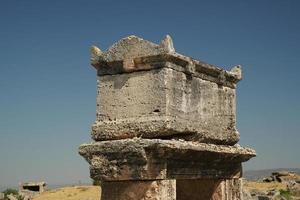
[
  {"x": 72, "y": 193},
  {"x": 262, "y": 186},
  {"x": 94, "y": 192}
]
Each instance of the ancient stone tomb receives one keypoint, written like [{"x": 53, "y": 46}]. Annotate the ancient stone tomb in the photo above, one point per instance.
[
  {"x": 165, "y": 126},
  {"x": 31, "y": 189}
]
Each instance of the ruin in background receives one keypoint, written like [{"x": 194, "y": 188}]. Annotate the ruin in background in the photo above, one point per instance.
[
  {"x": 165, "y": 126},
  {"x": 31, "y": 189}
]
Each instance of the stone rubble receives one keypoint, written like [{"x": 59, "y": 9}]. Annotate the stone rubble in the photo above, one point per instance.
[{"x": 275, "y": 187}]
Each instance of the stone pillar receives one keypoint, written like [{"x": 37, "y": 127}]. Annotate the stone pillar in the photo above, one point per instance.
[
  {"x": 139, "y": 190},
  {"x": 232, "y": 189},
  {"x": 164, "y": 117}
]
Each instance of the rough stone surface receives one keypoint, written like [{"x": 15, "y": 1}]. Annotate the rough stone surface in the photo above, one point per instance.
[
  {"x": 144, "y": 55},
  {"x": 139, "y": 190},
  {"x": 131, "y": 47},
  {"x": 164, "y": 103},
  {"x": 149, "y": 91},
  {"x": 232, "y": 189},
  {"x": 148, "y": 159}
]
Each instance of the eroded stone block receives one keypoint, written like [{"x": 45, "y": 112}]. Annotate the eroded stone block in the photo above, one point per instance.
[{"x": 149, "y": 91}]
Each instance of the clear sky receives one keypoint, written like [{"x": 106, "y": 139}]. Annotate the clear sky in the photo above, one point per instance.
[{"x": 48, "y": 88}]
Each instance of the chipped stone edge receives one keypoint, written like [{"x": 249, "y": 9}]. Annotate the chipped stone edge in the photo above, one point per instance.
[
  {"x": 166, "y": 53},
  {"x": 173, "y": 144}
]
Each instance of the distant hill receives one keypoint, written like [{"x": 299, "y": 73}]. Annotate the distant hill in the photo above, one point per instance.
[{"x": 259, "y": 174}]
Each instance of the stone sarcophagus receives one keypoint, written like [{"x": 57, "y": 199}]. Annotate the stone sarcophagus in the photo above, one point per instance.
[
  {"x": 165, "y": 126},
  {"x": 150, "y": 91}
]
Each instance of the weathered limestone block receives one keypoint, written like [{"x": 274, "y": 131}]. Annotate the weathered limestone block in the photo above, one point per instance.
[
  {"x": 156, "y": 159},
  {"x": 139, "y": 190},
  {"x": 150, "y": 91}
]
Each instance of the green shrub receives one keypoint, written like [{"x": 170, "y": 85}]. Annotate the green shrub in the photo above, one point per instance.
[
  {"x": 14, "y": 192},
  {"x": 286, "y": 194},
  {"x": 10, "y": 191}
]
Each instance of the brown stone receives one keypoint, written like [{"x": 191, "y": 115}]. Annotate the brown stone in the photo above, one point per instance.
[
  {"x": 199, "y": 189},
  {"x": 209, "y": 189},
  {"x": 139, "y": 190}
]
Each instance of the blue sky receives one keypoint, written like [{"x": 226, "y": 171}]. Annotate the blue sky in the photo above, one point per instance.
[{"x": 48, "y": 88}]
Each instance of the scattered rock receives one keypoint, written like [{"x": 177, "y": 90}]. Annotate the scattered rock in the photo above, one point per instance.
[
  {"x": 271, "y": 192},
  {"x": 281, "y": 173},
  {"x": 294, "y": 187},
  {"x": 280, "y": 176},
  {"x": 11, "y": 197},
  {"x": 268, "y": 179},
  {"x": 263, "y": 198},
  {"x": 247, "y": 195}
]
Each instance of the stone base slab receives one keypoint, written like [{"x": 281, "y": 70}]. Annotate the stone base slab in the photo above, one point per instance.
[{"x": 156, "y": 159}]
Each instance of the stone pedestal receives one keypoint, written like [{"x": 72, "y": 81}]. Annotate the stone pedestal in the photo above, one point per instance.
[
  {"x": 165, "y": 126},
  {"x": 141, "y": 190},
  {"x": 201, "y": 171}
]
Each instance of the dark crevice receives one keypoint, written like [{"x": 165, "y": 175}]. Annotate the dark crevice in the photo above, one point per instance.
[{"x": 156, "y": 111}]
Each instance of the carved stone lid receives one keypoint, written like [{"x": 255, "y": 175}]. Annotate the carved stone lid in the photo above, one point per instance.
[{"x": 136, "y": 54}]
